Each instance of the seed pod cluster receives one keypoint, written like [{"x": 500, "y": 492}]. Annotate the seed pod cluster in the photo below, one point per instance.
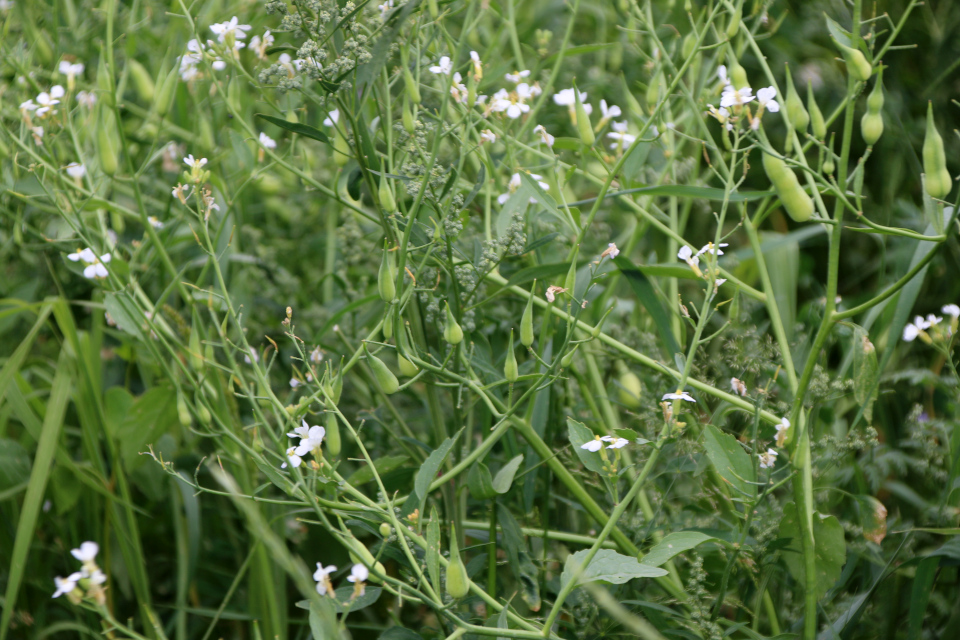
[
  {"x": 795, "y": 200},
  {"x": 871, "y": 125}
]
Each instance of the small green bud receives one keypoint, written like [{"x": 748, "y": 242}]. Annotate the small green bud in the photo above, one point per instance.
[
  {"x": 938, "y": 182},
  {"x": 452, "y": 332},
  {"x": 567, "y": 360},
  {"x": 652, "y": 96},
  {"x": 202, "y": 412},
  {"x": 795, "y": 111},
  {"x": 386, "y": 279},
  {"x": 458, "y": 583},
  {"x": 857, "y": 65},
  {"x": 332, "y": 436},
  {"x": 817, "y": 123},
  {"x": 871, "y": 125},
  {"x": 385, "y": 378},
  {"x": 526, "y": 320},
  {"x": 510, "y": 368},
  {"x": 583, "y": 121},
  {"x": 794, "y": 199},
  {"x": 385, "y": 530}
]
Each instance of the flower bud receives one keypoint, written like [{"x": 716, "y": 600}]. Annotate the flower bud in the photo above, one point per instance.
[
  {"x": 510, "y": 368},
  {"x": 332, "y": 436},
  {"x": 583, "y": 121},
  {"x": 630, "y": 387},
  {"x": 857, "y": 65},
  {"x": 817, "y": 123},
  {"x": 526, "y": 320},
  {"x": 795, "y": 111},
  {"x": 458, "y": 583},
  {"x": 738, "y": 75},
  {"x": 385, "y": 378},
  {"x": 452, "y": 332},
  {"x": 195, "y": 353},
  {"x": 386, "y": 279},
  {"x": 795, "y": 200},
  {"x": 938, "y": 182}
]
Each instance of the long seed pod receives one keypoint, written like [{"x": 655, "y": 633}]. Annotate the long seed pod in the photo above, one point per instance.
[
  {"x": 583, "y": 120},
  {"x": 332, "y": 435},
  {"x": 526, "y": 320},
  {"x": 938, "y": 180},
  {"x": 142, "y": 81},
  {"x": 510, "y": 368},
  {"x": 817, "y": 123},
  {"x": 795, "y": 200},
  {"x": 385, "y": 378},
  {"x": 630, "y": 387},
  {"x": 798, "y": 115},
  {"x": 386, "y": 278},
  {"x": 387, "y": 200},
  {"x": 458, "y": 582},
  {"x": 857, "y": 65},
  {"x": 106, "y": 149},
  {"x": 452, "y": 332},
  {"x": 168, "y": 87}
]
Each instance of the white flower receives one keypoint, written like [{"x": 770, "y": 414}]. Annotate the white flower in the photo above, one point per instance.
[
  {"x": 76, "y": 170},
  {"x": 619, "y": 133},
  {"x": 951, "y": 310},
  {"x": 722, "y": 74},
  {"x": 567, "y": 98},
  {"x": 617, "y": 443},
  {"x": 722, "y": 115},
  {"x": 229, "y": 29},
  {"x": 932, "y": 320},
  {"x": 712, "y": 249},
  {"x": 267, "y": 142},
  {"x": 445, "y": 66},
  {"x": 155, "y": 222},
  {"x": 180, "y": 192},
  {"x": 193, "y": 163},
  {"x": 358, "y": 573},
  {"x": 310, "y": 437},
  {"x": 718, "y": 282},
  {"x": 552, "y": 292},
  {"x": 593, "y": 445},
  {"x": 97, "y": 270},
  {"x": 57, "y": 91},
  {"x": 517, "y": 76},
  {"x": 260, "y": 45},
  {"x": 332, "y": 118},
  {"x": 914, "y": 329},
  {"x": 322, "y": 576},
  {"x": 294, "y": 459},
  {"x": 736, "y": 97},
  {"x": 46, "y": 102},
  {"x": 97, "y": 577},
  {"x": 608, "y": 113},
  {"x": 784, "y": 425},
  {"x": 514, "y": 184},
  {"x": 252, "y": 356},
  {"x": 87, "y": 255},
  {"x": 738, "y": 387},
  {"x": 294, "y": 383},
  {"x": 458, "y": 90},
  {"x": 477, "y": 65},
  {"x": 66, "y": 585},
  {"x": 686, "y": 254},
  {"x": 487, "y": 136},
  {"x": 766, "y": 97},
  {"x": 513, "y": 103},
  {"x": 28, "y": 106},
  {"x": 70, "y": 69},
  {"x": 545, "y": 137},
  {"x": 87, "y": 98},
  {"x": 612, "y": 251},
  {"x": 86, "y": 553},
  {"x": 384, "y": 8},
  {"x": 678, "y": 395},
  {"x": 768, "y": 459}
]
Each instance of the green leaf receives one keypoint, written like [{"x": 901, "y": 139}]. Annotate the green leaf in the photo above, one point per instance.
[
  {"x": 521, "y": 563},
  {"x": 829, "y": 548},
  {"x": 783, "y": 263},
  {"x": 540, "y": 272},
  {"x": 920, "y": 595},
  {"x": 296, "y": 127},
  {"x": 674, "y": 544},
  {"x": 545, "y": 200},
  {"x": 428, "y": 471},
  {"x": 504, "y": 477},
  {"x": 540, "y": 242},
  {"x": 323, "y": 618},
  {"x": 480, "y": 482},
  {"x": 866, "y": 371},
  {"x": 579, "y": 435},
  {"x": 433, "y": 549},
  {"x": 345, "y": 599},
  {"x": 839, "y": 34},
  {"x": 731, "y": 461},
  {"x": 367, "y": 73},
  {"x": 383, "y": 465},
  {"x": 873, "y": 518},
  {"x": 124, "y": 312},
  {"x": 644, "y": 290},
  {"x": 14, "y": 464},
  {"x": 400, "y": 633},
  {"x": 481, "y": 179},
  {"x": 608, "y": 566}
]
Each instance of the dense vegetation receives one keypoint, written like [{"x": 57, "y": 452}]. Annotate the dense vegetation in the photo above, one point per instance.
[{"x": 459, "y": 318}]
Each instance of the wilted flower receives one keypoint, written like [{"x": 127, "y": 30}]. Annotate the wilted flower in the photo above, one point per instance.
[
  {"x": 545, "y": 137},
  {"x": 693, "y": 260},
  {"x": 458, "y": 90},
  {"x": 782, "y": 429},
  {"x": 260, "y": 45},
  {"x": 87, "y": 99},
  {"x": 611, "y": 251},
  {"x": 76, "y": 170},
  {"x": 358, "y": 575},
  {"x": 738, "y": 387},
  {"x": 487, "y": 136},
  {"x": 155, "y": 222},
  {"x": 180, "y": 192},
  {"x": 477, "y": 66},
  {"x": 552, "y": 292}
]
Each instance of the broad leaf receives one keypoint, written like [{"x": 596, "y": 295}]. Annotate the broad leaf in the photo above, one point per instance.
[
  {"x": 504, "y": 477},
  {"x": 123, "y": 311},
  {"x": 731, "y": 461},
  {"x": 296, "y": 127},
  {"x": 579, "y": 435},
  {"x": 674, "y": 544},
  {"x": 521, "y": 563},
  {"x": 830, "y": 548},
  {"x": 428, "y": 471},
  {"x": 609, "y": 566}
]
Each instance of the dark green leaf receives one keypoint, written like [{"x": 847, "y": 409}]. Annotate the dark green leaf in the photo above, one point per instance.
[
  {"x": 643, "y": 288},
  {"x": 296, "y": 127},
  {"x": 920, "y": 595},
  {"x": 383, "y": 465},
  {"x": 520, "y": 561},
  {"x": 540, "y": 272},
  {"x": 829, "y": 547},
  {"x": 731, "y": 461},
  {"x": 609, "y": 566},
  {"x": 673, "y": 544},
  {"x": 428, "y": 471},
  {"x": 540, "y": 242},
  {"x": 504, "y": 477}
]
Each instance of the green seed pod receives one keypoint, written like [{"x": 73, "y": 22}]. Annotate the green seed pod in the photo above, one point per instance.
[
  {"x": 388, "y": 324},
  {"x": 452, "y": 332},
  {"x": 687, "y": 48},
  {"x": 630, "y": 387},
  {"x": 407, "y": 368},
  {"x": 583, "y": 121},
  {"x": 202, "y": 412},
  {"x": 734, "y": 312},
  {"x": 567, "y": 360},
  {"x": 386, "y": 279},
  {"x": 817, "y": 123},
  {"x": 526, "y": 320},
  {"x": 106, "y": 151},
  {"x": 570, "y": 283},
  {"x": 195, "y": 355},
  {"x": 142, "y": 81},
  {"x": 871, "y": 125},
  {"x": 385, "y": 530},
  {"x": 207, "y": 140},
  {"x": 168, "y": 87},
  {"x": 795, "y": 200},
  {"x": 652, "y": 96},
  {"x": 938, "y": 180},
  {"x": 332, "y": 436},
  {"x": 510, "y": 368},
  {"x": 333, "y": 383},
  {"x": 409, "y": 122},
  {"x": 738, "y": 75},
  {"x": 105, "y": 83},
  {"x": 387, "y": 200},
  {"x": 795, "y": 110},
  {"x": 857, "y": 65},
  {"x": 828, "y": 163},
  {"x": 735, "y": 18},
  {"x": 385, "y": 378},
  {"x": 341, "y": 150},
  {"x": 410, "y": 85},
  {"x": 183, "y": 412},
  {"x": 359, "y": 554},
  {"x": 458, "y": 583},
  {"x": 875, "y": 99}
]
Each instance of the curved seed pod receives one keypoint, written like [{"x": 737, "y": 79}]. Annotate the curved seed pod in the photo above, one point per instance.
[
  {"x": 857, "y": 65},
  {"x": 458, "y": 583},
  {"x": 387, "y": 200},
  {"x": 142, "y": 81},
  {"x": 452, "y": 332},
  {"x": 106, "y": 151},
  {"x": 386, "y": 278},
  {"x": 938, "y": 180},
  {"x": 168, "y": 88},
  {"x": 332, "y": 435},
  {"x": 738, "y": 75},
  {"x": 510, "y": 368},
  {"x": 385, "y": 378},
  {"x": 735, "y": 18},
  {"x": 795, "y": 200},
  {"x": 798, "y": 115},
  {"x": 630, "y": 387},
  {"x": 583, "y": 121},
  {"x": 567, "y": 360},
  {"x": 817, "y": 123},
  {"x": 526, "y": 321},
  {"x": 407, "y": 368}
]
